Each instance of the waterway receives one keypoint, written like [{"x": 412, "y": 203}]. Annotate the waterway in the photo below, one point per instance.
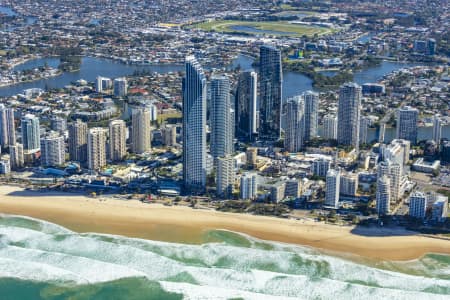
[
  {"x": 28, "y": 20},
  {"x": 293, "y": 83},
  {"x": 90, "y": 68},
  {"x": 7, "y": 11},
  {"x": 423, "y": 133}
]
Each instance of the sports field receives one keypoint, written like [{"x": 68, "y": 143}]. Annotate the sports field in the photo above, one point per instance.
[{"x": 279, "y": 28}]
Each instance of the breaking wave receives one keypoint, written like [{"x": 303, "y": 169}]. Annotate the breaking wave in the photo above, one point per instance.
[{"x": 41, "y": 260}]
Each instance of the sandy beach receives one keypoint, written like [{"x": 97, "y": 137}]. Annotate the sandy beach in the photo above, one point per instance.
[{"x": 184, "y": 224}]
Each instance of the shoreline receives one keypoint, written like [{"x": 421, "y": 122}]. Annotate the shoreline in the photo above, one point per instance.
[
  {"x": 33, "y": 80},
  {"x": 186, "y": 225}
]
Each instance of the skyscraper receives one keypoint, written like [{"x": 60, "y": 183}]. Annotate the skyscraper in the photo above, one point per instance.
[
  {"x": 249, "y": 186},
  {"x": 78, "y": 141},
  {"x": 117, "y": 140},
  {"x": 96, "y": 148},
  {"x": 53, "y": 149},
  {"x": 16, "y": 156},
  {"x": 194, "y": 126},
  {"x": 437, "y": 129},
  {"x": 140, "y": 130},
  {"x": 348, "y": 115},
  {"x": 330, "y": 127},
  {"x": 295, "y": 124},
  {"x": 383, "y": 195},
  {"x": 120, "y": 87},
  {"x": 30, "y": 132},
  {"x": 220, "y": 115},
  {"x": 225, "y": 177},
  {"x": 245, "y": 106},
  {"x": 394, "y": 172},
  {"x": 365, "y": 122},
  {"x": 271, "y": 80},
  {"x": 407, "y": 123},
  {"x": 311, "y": 114},
  {"x": 333, "y": 180},
  {"x": 7, "y": 127}
]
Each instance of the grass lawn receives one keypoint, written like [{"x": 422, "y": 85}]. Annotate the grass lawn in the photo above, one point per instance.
[
  {"x": 164, "y": 117},
  {"x": 286, "y": 13},
  {"x": 280, "y": 28},
  {"x": 2, "y": 52}
]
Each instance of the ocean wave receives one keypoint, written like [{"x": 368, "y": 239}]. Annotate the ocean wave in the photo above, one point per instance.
[{"x": 227, "y": 264}]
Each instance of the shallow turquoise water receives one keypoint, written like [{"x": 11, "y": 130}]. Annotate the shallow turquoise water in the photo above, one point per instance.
[{"x": 41, "y": 260}]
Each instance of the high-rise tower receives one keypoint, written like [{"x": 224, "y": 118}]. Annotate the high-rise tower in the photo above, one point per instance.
[
  {"x": 220, "y": 115},
  {"x": 7, "y": 127},
  {"x": 30, "y": 132},
  {"x": 407, "y": 123},
  {"x": 141, "y": 130},
  {"x": 96, "y": 148},
  {"x": 271, "y": 80},
  {"x": 245, "y": 106},
  {"x": 311, "y": 114},
  {"x": 78, "y": 141},
  {"x": 330, "y": 127},
  {"x": 383, "y": 195},
  {"x": 437, "y": 129},
  {"x": 53, "y": 149},
  {"x": 295, "y": 124},
  {"x": 117, "y": 140},
  {"x": 349, "y": 114},
  {"x": 194, "y": 126}
]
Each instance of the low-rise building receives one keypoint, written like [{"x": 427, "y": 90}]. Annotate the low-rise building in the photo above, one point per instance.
[
  {"x": 277, "y": 191},
  {"x": 5, "y": 165},
  {"x": 424, "y": 166},
  {"x": 293, "y": 188}
]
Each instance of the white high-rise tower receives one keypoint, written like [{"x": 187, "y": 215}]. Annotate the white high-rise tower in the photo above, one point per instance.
[
  {"x": 295, "y": 124},
  {"x": 117, "y": 140},
  {"x": 141, "y": 130},
  {"x": 96, "y": 148},
  {"x": 7, "y": 127}
]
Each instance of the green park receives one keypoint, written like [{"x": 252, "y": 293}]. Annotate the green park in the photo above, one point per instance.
[{"x": 277, "y": 28}]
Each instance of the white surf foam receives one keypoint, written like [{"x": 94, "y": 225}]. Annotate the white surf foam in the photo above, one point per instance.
[
  {"x": 216, "y": 267},
  {"x": 78, "y": 269}
]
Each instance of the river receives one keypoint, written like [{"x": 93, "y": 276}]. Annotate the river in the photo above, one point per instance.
[
  {"x": 293, "y": 83},
  {"x": 4, "y": 10},
  {"x": 90, "y": 68}
]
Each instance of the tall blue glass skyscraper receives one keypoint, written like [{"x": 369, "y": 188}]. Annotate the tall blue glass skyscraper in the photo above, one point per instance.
[
  {"x": 194, "y": 126},
  {"x": 271, "y": 79},
  {"x": 245, "y": 106},
  {"x": 221, "y": 119}
]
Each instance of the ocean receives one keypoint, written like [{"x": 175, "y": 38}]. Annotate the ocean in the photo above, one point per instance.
[{"x": 42, "y": 260}]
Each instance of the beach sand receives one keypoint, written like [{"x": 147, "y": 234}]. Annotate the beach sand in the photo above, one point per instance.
[{"x": 184, "y": 224}]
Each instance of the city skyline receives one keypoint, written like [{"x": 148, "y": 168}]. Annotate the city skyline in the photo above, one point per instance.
[{"x": 224, "y": 149}]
